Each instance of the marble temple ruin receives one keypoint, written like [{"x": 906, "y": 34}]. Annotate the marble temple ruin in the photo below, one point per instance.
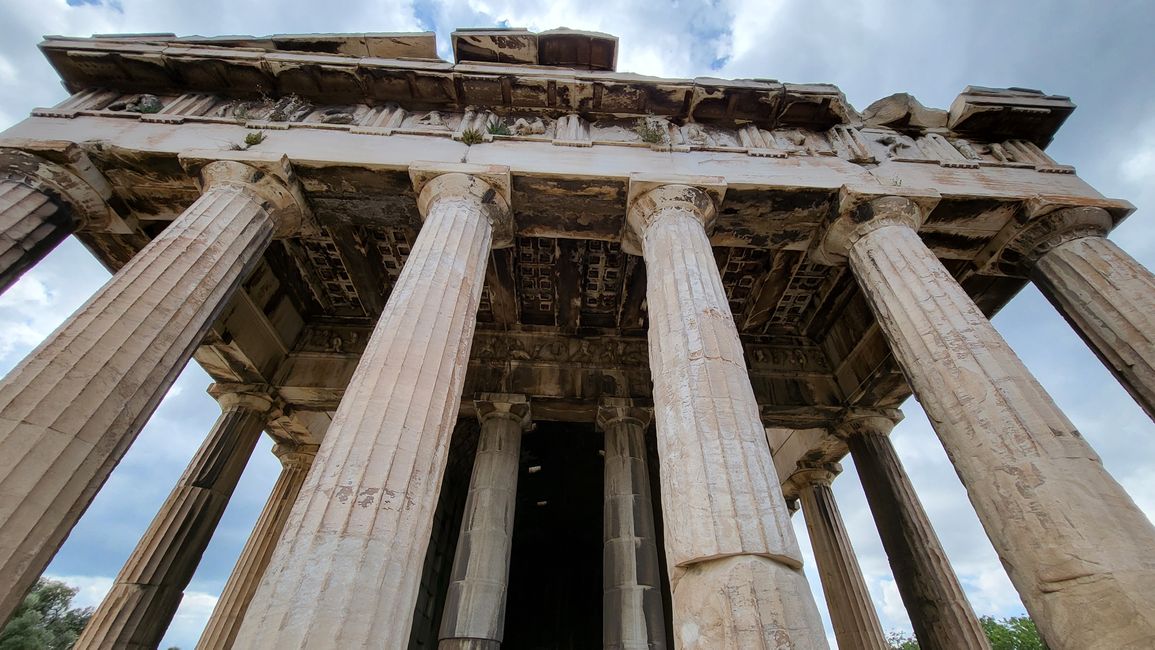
[{"x": 551, "y": 353}]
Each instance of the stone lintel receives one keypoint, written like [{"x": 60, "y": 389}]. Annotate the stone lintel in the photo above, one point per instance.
[
  {"x": 616, "y": 409},
  {"x": 504, "y": 405},
  {"x": 268, "y": 175},
  {"x": 63, "y": 170},
  {"x": 649, "y": 192},
  {"x": 489, "y": 183},
  {"x": 863, "y": 208}
]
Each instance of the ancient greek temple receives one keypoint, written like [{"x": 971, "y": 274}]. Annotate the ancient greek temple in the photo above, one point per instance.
[{"x": 551, "y": 353}]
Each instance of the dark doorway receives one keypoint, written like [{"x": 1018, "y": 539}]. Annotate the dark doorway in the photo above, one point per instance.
[{"x": 555, "y": 578}]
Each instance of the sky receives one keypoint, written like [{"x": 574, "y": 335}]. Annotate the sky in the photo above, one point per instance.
[{"x": 1098, "y": 53}]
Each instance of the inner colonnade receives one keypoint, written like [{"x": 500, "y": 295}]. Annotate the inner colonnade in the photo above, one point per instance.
[{"x": 341, "y": 555}]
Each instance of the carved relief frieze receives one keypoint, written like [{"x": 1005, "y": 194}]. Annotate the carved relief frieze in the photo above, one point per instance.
[{"x": 852, "y": 142}]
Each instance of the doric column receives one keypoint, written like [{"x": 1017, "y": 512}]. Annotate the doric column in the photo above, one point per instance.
[
  {"x": 939, "y": 612},
  {"x": 70, "y": 410},
  {"x": 41, "y": 204},
  {"x": 144, "y": 598},
  {"x": 734, "y": 561},
  {"x": 474, "y": 614},
  {"x": 1075, "y": 545},
  {"x": 221, "y": 630},
  {"x": 347, "y": 571},
  {"x": 848, "y": 601},
  {"x": 632, "y": 617},
  {"x": 1104, "y": 293}
]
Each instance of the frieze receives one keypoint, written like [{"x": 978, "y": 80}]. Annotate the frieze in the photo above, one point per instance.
[{"x": 865, "y": 145}]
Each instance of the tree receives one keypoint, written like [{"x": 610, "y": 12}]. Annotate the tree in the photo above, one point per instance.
[
  {"x": 1014, "y": 633},
  {"x": 45, "y": 620}
]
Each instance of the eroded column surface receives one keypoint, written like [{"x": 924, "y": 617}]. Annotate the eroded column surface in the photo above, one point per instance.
[
  {"x": 939, "y": 612},
  {"x": 31, "y": 225},
  {"x": 848, "y": 601},
  {"x": 632, "y": 613},
  {"x": 70, "y": 410},
  {"x": 1075, "y": 545},
  {"x": 346, "y": 573},
  {"x": 734, "y": 561},
  {"x": 1104, "y": 293},
  {"x": 221, "y": 630},
  {"x": 474, "y": 614},
  {"x": 145, "y": 596}
]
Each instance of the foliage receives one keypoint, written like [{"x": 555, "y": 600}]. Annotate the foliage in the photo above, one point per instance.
[
  {"x": 1014, "y": 633},
  {"x": 901, "y": 641},
  {"x": 254, "y": 138},
  {"x": 472, "y": 137},
  {"x": 45, "y": 619},
  {"x": 650, "y": 132},
  {"x": 498, "y": 127}
]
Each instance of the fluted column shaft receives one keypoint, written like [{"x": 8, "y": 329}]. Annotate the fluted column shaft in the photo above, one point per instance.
[
  {"x": 938, "y": 608},
  {"x": 148, "y": 590},
  {"x": 474, "y": 614},
  {"x": 31, "y": 225},
  {"x": 735, "y": 564},
  {"x": 848, "y": 600},
  {"x": 1075, "y": 545},
  {"x": 632, "y": 617},
  {"x": 70, "y": 410},
  {"x": 347, "y": 571},
  {"x": 225, "y": 622},
  {"x": 1109, "y": 298}
]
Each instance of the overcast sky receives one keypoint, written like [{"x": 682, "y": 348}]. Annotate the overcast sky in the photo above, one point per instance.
[{"x": 1099, "y": 53}]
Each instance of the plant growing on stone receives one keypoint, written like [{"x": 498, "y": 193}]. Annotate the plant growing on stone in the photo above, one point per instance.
[
  {"x": 650, "y": 132},
  {"x": 498, "y": 128},
  {"x": 252, "y": 139},
  {"x": 472, "y": 137}
]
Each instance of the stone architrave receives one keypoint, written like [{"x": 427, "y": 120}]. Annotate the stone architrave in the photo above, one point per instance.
[
  {"x": 852, "y": 614},
  {"x": 221, "y": 630},
  {"x": 347, "y": 571},
  {"x": 632, "y": 612},
  {"x": 41, "y": 204},
  {"x": 474, "y": 614},
  {"x": 1075, "y": 545},
  {"x": 1104, "y": 293},
  {"x": 71, "y": 409},
  {"x": 736, "y": 571},
  {"x": 938, "y": 608},
  {"x": 137, "y": 611}
]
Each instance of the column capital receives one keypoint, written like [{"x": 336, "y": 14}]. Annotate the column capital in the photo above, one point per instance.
[
  {"x": 808, "y": 474},
  {"x": 857, "y": 421},
  {"x": 504, "y": 405},
  {"x": 1050, "y": 226},
  {"x": 616, "y": 409},
  {"x": 67, "y": 176},
  {"x": 261, "y": 398},
  {"x": 650, "y": 194},
  {"x": 488, "y": 185},
  {"x": 267, "y": 177},
  {"x": 863, "y": 209},
  {"x": 295, "y": 454}
]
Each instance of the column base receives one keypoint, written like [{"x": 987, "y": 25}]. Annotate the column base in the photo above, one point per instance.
[
  {"x": 468, "y": 644},
  {"x": 745, "y": 601}
]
